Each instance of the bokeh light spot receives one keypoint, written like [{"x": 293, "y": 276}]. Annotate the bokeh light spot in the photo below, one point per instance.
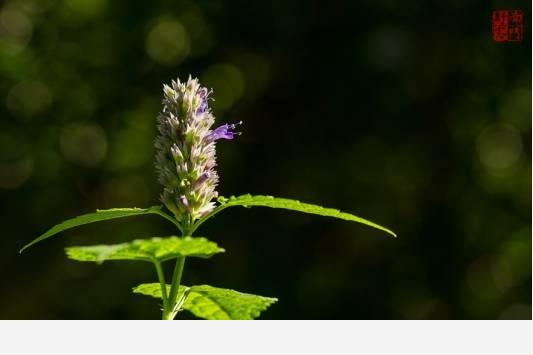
[
  {"x": 15, "y": 30},
  {"x": 28, "y": 98},
  {"x": 199, "y": 31},
  {"x": 86, "y": 8},
  {"x": 35, "y": 7},
  {"x": 499, "y": 146},
  {"x": 83, "y": 143},
  {"x": 502, "y": 275},
  {"x": 515, "y": 108},
  {"x": 227, "y": 81},
  {"x": 517, "y": 311},
  {"x": 13, "y": 175},
  {"x": 480, "y": 282},
  {"x": 167, "y": 42}
]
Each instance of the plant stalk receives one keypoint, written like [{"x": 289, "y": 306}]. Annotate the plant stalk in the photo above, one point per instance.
[
  {"x": 176, "y": 280},
  {"x": 163, "y": 283},
  {"x": 172, "y": 308}
]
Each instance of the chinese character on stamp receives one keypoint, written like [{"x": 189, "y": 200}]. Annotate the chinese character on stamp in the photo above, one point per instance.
[{"x": 507, "y": 25}]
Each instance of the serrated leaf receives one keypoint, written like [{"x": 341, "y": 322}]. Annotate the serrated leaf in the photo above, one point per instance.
[
  {"x": 214, "y": 303},
  {"x": 154, "y": 249},
  {"x": 209, "y": 302},
  {"x": 98, "y": 216},
  {"x": 154, "y": 290},
  {"x": 283, "y": 203}
]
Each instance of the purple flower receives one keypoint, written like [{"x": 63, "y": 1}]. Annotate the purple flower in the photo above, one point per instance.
[
  {"x": 223, "y": 132},
  {"x": 204, "y": 97}
]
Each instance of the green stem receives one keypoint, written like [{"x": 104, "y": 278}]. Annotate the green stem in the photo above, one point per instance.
[
  {"x": 167, "y": 315},
  {"x": 172, "y": 307},
  {"x": 162, "y": 281},
  {"x": 176, "y": 280},
  {"x": 180, "y": 302}
]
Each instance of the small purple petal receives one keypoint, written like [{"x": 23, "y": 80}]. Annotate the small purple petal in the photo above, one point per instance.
[
  {"x": 223, "y": 132},
  {"x": 204, "y": 95},
  {"x": 202, "y": 179}
]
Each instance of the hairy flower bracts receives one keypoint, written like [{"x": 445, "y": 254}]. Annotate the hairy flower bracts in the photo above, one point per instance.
[{"x": 185, "y": 150}]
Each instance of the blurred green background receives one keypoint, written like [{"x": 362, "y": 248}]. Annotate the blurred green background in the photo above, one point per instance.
[{"x": 404, "y": 112}]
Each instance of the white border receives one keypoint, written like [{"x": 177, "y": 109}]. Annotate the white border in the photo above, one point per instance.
[{"x": 266, "y": 337}]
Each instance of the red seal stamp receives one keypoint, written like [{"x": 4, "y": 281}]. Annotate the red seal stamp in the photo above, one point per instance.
[{"x": 507, "y": 25}]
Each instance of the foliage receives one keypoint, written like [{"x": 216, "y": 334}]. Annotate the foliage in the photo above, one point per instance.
[
  {"x": 98, "y": 216},
  {"x": 152, "y": 250},
  {"x": 214, "y": 303},
  {"x": 185, "y": 162},
  {"x": 287, "y": 204},
  {"x": 203, "y": 301}
]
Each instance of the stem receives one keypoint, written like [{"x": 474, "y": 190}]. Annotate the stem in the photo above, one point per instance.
[
  {"x": 176, "y": 279},
  {"x": 180, "y": 303},
  {"x": 171, "y": 307},
  {"x": 166, "y": 315},
  {"x": 162, "y": 281}
]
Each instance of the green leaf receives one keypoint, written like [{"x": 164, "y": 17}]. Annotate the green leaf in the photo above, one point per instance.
[
  {"x": 154, "y": 290},
  {"x": 154, "y": 249},
  {"x": 293, "y": 205},
  {"x": 218, "y": 303},
  {"x": 98, "y": 216},
  {"x": 214, "y": 303}
]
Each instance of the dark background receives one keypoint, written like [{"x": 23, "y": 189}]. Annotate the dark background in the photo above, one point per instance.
[{"x": 403, "y": 112}]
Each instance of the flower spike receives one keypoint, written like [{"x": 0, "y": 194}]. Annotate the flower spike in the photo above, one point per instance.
[{"x": 185, "y": 149}]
